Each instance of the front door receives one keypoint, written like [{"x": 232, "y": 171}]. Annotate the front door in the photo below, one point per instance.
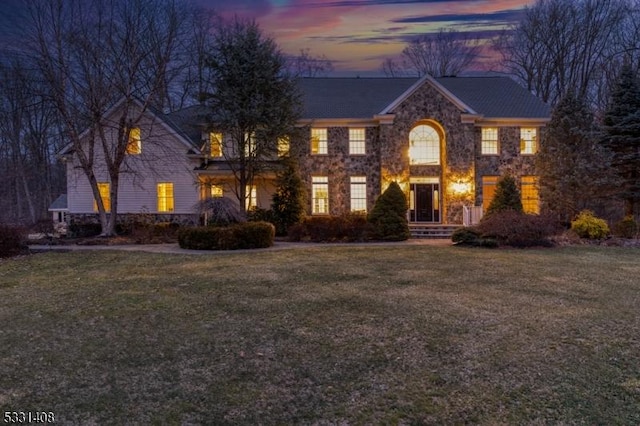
[{"x": 425, "y": 205}]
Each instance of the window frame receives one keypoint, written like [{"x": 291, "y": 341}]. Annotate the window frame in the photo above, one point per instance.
[
  {"x": 216, "y": 139},
  {"x": 134, "y": 141},
  {"x": 358, "y": 194},
  {"x": 490, "y": 145},
  {"x": 530, "y": 194},
  {"x": 357, "y": 141},
  {"x": 165, "y": 200},
  {"x": 422, "y": 147},
  {"x": 320, "y": 205},
  {"x": 104, "y": 188},
  {"x": 529, "y": 146},
  {"x": 319, "y": 141}
]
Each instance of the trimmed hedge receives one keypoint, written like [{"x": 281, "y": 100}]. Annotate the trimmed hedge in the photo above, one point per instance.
[
  {"x": 351, "y": 227},
  {"x": 247, "y": 235},
  {"x": 627, "y": 228},
  {"x": 11, "y": 241}
]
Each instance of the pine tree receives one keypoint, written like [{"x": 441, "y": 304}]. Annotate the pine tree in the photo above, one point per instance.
[
  {"x": 574, "y": 168},
  {"x": 622, "y": 127},
  {"x": 288, "y": 201},
  {"x": 506, "y": 197},
  {"x": 389, "y": 215}
]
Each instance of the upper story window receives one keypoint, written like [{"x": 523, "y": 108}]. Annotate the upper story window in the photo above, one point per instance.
[
  {"x": 489, "y": 141},
  {"x": 215, "y": 144},
  {"x": 319, "y": 141},
  {"x": 356, "y": 141},
  {"x": 250, "y": 145},
  {"x": 134, "y": 144},
  {"x": 283, "y": 147},
  {"x": 528, "y": 140},
  {"x": 424, "y": 145}
]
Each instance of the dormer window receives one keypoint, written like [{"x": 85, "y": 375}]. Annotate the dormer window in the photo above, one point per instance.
[
  {"x": 215, "y": 144},
  {"x": 134, "y": 144}
]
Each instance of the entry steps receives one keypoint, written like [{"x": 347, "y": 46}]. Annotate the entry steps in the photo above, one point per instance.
[{"x": 432, "y": 230}]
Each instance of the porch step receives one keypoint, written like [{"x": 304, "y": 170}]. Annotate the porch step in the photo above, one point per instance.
[{"x": 432, "y": 231}]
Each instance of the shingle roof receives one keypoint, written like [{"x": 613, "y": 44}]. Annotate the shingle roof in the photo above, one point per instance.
[
  {"x": 60, "y": 203},
  {"x": 496, "y": 97},
  {"x": 492, "y": 97},
  {"x": 350, "y": 97}
]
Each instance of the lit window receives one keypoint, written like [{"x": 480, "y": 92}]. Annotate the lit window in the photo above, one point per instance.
[
  {"x": 358, "y": 194},
  {"x": 356, "y": 141},
  {"x": 251, "y": 202},
  {"x": 215, "y": 144},
  {"x": 250, "y": 145},
  {"x": 319, "y": 141},
  {"x": 216, "y": 191},
  {"x": 528, "y": 143},
  {"x": 134, "y": 145},
  {"x": 489, "y": 141},
  {"x": 488, "y": 190},
  {"x": 165, "y": 197},
  {"x": 283, "y": 147},
  {"x": 529, "y": 193},
  {"x": 104, "y": 190},
  {"x": 424, "y": 145},
  {"x": 320, "y": 195}
]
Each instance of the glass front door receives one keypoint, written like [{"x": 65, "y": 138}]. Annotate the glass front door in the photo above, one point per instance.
[{"x": 425, "y": 202}]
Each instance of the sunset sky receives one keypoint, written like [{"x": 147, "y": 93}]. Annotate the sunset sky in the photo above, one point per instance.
[
  {"x": 359, "y": 34},
  {"x": 356, "y": 34}
]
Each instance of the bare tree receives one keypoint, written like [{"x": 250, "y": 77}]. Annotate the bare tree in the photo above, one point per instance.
[
  {"x": 445, "y": 53},
  {"x": 94, "y": 53},
  {"x": 306, "y": 65},
  {"x": 563, "y": 45}
]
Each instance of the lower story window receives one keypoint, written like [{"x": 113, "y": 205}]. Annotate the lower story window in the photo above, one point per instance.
[
  {"x": 530, "y": 195},
  {"x": 165, "y": 197},
  {"x": 251, "y": 200},
  {"x": 488, "y": 190},
  {"x": 104, "y": 188},
  {"x": 320, "y": 195},
  {"x": 358, "y": 193}
]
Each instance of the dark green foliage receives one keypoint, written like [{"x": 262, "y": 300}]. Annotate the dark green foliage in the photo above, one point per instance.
[
  {"x": 389, "y": 215},
  {"x": 83, "y": 229},
  {"x": 507, "y": 196},
  {"x": 11, "y": 241},
  {"x": 517, "y": 229},
  {"x": 587, "y": 225},
  {"x": 627, "y": 228},
  {"x": 574, "y": 169},
  {"x": 351, "y": 227},
  {"x": 288, "y": 202},
  {"x": 247, "y": 235},
  {"x": 466, "y": 236},
  {"x": 622, "y": 127}
]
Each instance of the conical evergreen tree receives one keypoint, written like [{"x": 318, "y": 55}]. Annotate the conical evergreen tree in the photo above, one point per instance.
[
  {"x": 287, "y": 203},
  {"x": 506, "y": 197},
  {"x": 622, "y": 127},
  {"x": 389, "y": 215},
  {"x": 574, "y": 169}
]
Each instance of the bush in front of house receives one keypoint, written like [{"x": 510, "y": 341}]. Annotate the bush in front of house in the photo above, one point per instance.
[
  {"x": 509, "y": 228},
  {"x": 389, "y": 215},
  {"x": 350, "y": 227},
  {"x": 626, "y": 228},
  {"x": 246, "y": 235},
  {"x": 507, "y": 196},
  {"x": 11, "y": 241},
  {"x": 79, "y": 229},
  {"x": 587, "y": 225}
]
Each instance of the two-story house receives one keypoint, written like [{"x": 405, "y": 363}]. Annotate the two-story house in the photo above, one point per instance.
[{"x": 446, "y": 141}]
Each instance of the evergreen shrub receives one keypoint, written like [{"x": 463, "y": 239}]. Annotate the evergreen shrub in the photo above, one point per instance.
[
  {"x": 587, "y": 225},
  {"x": 11, "y": 241},
  {"x": 246, "y": 235},
  {"x": 389, "y": 215},
  {"x": 507, "y": 196},
  {"x": 626, "y": 228}
]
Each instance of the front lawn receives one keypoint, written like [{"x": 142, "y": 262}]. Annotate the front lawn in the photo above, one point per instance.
[{"x": 324, "y": 335}]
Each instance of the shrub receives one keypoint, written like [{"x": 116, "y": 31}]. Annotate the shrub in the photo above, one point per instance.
[
  {"x": 389, "y": 215},
  {"x": 84, "y": 229},
  {"x": 220, "y": 211},
  {"x": 626, "y": 228},
  {"x": 507, "y": 196},
  {"x": 247, "y": 235},
  {"x": 466, "y": 236},
  {"x": 518, "y": 229},
  {"x": 587, "y": 225},
  {"x": 323, "y": 229},
  {"x": 288, "y": 201},
  {"x": 11, "y": 241}
]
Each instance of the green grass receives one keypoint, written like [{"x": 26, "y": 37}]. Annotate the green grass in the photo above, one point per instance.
[{"x": 324, "y": 335}]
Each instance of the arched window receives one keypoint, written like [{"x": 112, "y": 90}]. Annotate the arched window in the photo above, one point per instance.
[{"x": 424, "y": 145}]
